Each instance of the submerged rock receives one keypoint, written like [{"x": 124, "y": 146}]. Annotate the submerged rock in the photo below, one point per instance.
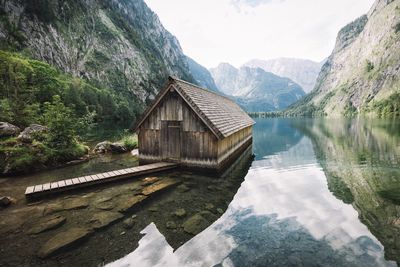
[
  {"x": 180, "y": 213},
  {"x": 183, "y": 188},
  {"x": 76, "y": 203},
  {"x": 105, "y": 205},
  {"x": 47, "y": 224},
  {"x": 129, "y": 203},
  {"x": 7, "y": 129},
  {"x": 104, "y": 218},
  {"x": 28, "y": 134},
  {"x": 62, "y": 241},
  {"x": 210, "y": 206},
  {"x": 171, "y": 225},
  {"x": 5, "y": 202},
  {"x": 150, "y": 180},
  {"x": 153, "y": 209},
  {"x": 128, "y": 223},
  {"x": 195, "y": 224},
  {"x": 160, "y": 185},
  {"x": 68, "y": 204}
]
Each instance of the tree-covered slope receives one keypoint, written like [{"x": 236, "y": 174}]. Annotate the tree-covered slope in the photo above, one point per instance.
[
  {"x": 116, "y": 44},
  {"x": 256, "y": 90},
  {"x": 362, "y": 75}
]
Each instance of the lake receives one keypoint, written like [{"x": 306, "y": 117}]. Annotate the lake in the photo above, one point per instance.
[
  {"x": 317, "y": 192},
  {"x": 320, "y": 192}
]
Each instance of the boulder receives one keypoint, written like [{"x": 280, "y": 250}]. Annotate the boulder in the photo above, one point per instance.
[
  {"x": 118, "y": 148},
  {"x": 107, "y": 146},
  {"x": 104, "y": 218},
  {"x": 62, "y": 241},
  {"x": 102, "y": 147},
  {"x": 7, "y": 129},
  {"x": 5, "y": 202},
  {"x": 28, "y": 134},
  {"x": 47, "y": 224},
  {"x": 195, "y": 224}
]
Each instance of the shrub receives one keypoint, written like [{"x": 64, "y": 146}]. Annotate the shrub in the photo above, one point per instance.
[
  {"x": 369, "y": 66},
  {"x": 130, "y": 141}
]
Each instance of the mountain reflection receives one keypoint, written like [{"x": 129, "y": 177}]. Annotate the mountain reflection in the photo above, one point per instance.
[{"x": 361, "y": 160}]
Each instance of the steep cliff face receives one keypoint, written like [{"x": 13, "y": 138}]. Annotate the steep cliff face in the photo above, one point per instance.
[
  {"x": 119, "y": 44},
  {"x": 362, "y": 75},
  {"x": 256, "y": 90},
  {"x": 201, "y": 75},
  {"x": 302, "y": 71}
]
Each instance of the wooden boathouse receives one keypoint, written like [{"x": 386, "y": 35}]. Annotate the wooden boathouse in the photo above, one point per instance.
[{"x": 194, "y": 127}]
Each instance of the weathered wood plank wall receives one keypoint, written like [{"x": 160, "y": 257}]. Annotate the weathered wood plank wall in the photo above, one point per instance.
[{"x": 198, "y": 145}]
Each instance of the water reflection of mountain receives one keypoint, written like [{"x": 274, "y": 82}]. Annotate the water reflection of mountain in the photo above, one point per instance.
[
  {"x": 361, "y": 160},
  {"x": 274, "y": 135}
]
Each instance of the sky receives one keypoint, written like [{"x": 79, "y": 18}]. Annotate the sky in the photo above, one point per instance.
[{"x": 236, "y": 31}]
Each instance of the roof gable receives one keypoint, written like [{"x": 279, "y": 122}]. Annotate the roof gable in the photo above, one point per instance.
[{"x": 220, "y": 114}]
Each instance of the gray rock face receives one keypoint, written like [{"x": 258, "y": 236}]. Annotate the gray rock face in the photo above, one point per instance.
[
  {"x": 256, "y": 90},
  {"x": 28, "y": 134},
  {"x": 364, "y": 67},
  {"x": 7, "y": 129},
  {"x": 302, "y": 71},
  {"x": 120, "y": 44},
  {"x": 201, "y": 75}
]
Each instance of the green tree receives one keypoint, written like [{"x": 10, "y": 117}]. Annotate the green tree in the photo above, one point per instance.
[{"x": 61, "y": 123}]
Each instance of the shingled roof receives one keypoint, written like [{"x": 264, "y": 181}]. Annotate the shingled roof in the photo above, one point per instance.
[{"x": 221, "y": 115}]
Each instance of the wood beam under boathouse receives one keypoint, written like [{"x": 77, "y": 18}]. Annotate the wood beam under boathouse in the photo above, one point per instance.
[{"x": 194, "y": 127}]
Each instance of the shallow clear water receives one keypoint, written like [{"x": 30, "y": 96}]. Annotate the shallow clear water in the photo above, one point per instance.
[{"x": 320, "y": 192}]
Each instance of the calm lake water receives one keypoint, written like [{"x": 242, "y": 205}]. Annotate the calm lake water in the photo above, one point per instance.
[{"x": 320, "y": 192}]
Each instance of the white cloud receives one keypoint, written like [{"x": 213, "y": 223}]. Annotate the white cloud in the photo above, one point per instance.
[{"x": 236, "y": 31}]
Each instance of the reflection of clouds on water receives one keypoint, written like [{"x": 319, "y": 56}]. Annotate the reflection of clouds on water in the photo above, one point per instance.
[{"x": 282, "y": 214}]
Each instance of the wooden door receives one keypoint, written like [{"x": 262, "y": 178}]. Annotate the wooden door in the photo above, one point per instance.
[{"x": 171, "y": 140}]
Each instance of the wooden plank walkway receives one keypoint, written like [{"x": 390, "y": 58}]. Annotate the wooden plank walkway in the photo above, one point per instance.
[{"x": 99, "y": 178}]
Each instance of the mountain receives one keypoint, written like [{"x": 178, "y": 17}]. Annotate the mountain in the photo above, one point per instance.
[
  {"x": 256, "y": 90},
  {"x": 201, "y": 75},
  {"x": 362, "y": 75},
  {"x": 302, "y": 71},
  {"x": 116, "y": 44}
]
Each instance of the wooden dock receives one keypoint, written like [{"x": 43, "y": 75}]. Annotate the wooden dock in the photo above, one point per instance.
[{"x": 99, "y": 178}]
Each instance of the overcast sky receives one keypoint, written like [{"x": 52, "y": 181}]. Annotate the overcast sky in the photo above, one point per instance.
[{"x": 235, "y": 31}]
